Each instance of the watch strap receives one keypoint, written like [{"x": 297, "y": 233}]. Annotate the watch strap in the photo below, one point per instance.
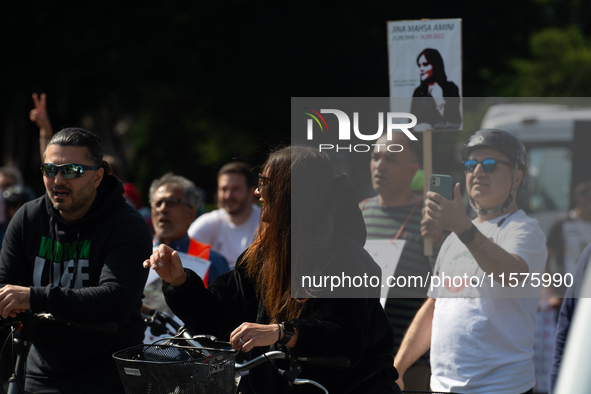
[
  {"x": 288, "y": 332},
  {"x": 468, "y": 236}
]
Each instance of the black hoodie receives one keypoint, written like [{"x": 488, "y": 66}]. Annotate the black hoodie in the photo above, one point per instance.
[{"x": 96, "y": 268}]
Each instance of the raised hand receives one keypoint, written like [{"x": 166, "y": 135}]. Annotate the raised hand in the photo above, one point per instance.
[
  {"x": 168, "y": 265},
  {"x": 429, "y": 229},
  {"x": 39, "y": 113},
  {"x": 448, "y": 215}
]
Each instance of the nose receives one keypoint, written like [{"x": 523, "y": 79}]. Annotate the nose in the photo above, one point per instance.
[
  {"x": 59, "y": 179},
  {"x": 379, "y": 164},
  {"x": 257, "y": 192},
  {"x": 479, "y": 170}
]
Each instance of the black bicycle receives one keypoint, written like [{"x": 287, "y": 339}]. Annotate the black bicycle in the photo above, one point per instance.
[
  {"x": 20, "y": 336},
  {"x": 201, "y": 364}
]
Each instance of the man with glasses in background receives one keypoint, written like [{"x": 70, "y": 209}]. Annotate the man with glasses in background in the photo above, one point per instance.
[
  {"x": 481, "y": 337},
  {"x": 76, "y": 253},
  {"x": 174, "y": 200}
]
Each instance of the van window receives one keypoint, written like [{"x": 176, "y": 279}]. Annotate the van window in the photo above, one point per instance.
[{"x": 547, "y": 186}]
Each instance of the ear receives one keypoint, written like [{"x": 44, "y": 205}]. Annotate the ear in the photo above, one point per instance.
[
  {"x": 191, "y": 213},
  {"x": 98, "y": 177}
]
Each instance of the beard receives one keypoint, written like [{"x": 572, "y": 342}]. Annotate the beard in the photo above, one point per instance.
[
  {"x": 236, "y": 207},
  {"x": 80, "y": 200}
]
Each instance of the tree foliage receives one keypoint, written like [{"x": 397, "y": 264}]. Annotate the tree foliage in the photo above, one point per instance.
[{"x": 559, "y": 65}]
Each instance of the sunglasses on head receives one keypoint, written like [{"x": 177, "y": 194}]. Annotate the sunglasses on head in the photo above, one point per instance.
[
  {"x": 68, "y": 171},
  {"x": 488, "y": 165}
]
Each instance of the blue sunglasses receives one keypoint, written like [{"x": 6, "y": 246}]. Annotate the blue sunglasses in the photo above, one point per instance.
[
  {"x": 488, "y": 165},
  {"x": 68, "y": 171}
]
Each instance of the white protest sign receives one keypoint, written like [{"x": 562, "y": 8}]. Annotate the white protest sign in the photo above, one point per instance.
[
  {"x": 386, "y": 253},
  {"x": 153, "y": 291},
  {"x": 425, "y": 68}
]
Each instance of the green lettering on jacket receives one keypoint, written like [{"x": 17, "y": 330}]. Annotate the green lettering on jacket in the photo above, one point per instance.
[{"x": 61, "y": 252}]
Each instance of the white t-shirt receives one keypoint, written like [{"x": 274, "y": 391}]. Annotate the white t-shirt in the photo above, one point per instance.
[
  {"x": 226, "y": 238},
  {"x": 484, "y": 343}
]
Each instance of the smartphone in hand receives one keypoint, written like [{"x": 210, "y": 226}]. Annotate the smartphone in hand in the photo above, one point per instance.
[{"x": 441, "y": 184}]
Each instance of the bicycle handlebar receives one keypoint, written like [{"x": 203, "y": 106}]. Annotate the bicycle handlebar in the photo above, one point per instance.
[
  {"x": 109, "y": 327},
  {"x": 334, "y": 362}
]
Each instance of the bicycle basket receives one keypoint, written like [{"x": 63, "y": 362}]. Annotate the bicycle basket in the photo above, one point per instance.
[{"x": 150, "y": 369}]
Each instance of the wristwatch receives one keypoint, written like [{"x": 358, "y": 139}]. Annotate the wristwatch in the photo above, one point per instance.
[
  {"x": 468, "y": 236},
  {"x": 288, "y": 332}
]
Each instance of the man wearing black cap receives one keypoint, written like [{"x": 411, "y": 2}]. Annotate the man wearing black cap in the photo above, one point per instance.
[{"x": 481, "y": 338}]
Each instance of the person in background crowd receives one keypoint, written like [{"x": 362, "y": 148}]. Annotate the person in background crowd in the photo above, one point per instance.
[
  {"x": 132, "y": 194},
  {"x": 231, "y": 228},
  {"x": 14, "y": 197},
  {"x": 76, "y": 253},
  {"x": 569, "y": 236},
  {"x": 481, "y": 340},
  {"x": 566, "y": 241},
  {"x": 566, "y": 314},
  {"x": 9, "y": 176},
  {"x": 174, "y": 199},
  {"x": 395, "y": 213},
  {"x": 40, "y": 117}
]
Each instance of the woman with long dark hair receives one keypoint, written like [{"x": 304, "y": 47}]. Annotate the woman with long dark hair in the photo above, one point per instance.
[
  {"x": 436, "y": 102},
  {"x": 310, "y": 225}
]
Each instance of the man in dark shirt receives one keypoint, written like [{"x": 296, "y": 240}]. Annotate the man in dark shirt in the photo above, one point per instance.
[{"x": 76, "y": 253}]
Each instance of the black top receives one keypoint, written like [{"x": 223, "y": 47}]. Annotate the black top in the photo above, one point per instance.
[
  {"x": 424, "y": 108},
  {"x": 352, "y": 327},
  {"x": 95, "y": 266}
]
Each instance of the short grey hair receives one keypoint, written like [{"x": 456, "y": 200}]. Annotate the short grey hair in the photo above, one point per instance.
[
  {"x": 191, "y": 194},
  {"x": 13, "y": 172}
]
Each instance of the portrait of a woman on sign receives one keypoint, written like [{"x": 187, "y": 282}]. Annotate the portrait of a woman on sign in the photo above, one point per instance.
[{"x": 436, "y": 102}]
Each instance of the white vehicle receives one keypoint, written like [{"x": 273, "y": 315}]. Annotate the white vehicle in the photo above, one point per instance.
[{"x": 548, "y": 133}]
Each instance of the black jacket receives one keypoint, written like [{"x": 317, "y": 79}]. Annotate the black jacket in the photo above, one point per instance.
[
  {"x": 424, "y": 108},
  {"x": 352, "y": 327},
  {"x": 96, "y": 263}
]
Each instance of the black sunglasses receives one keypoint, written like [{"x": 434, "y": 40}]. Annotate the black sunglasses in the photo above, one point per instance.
[
  {"x": 488, "y": 165},
  {"x": 68, "y": 171},
  {"x": 171, "y": 202}
]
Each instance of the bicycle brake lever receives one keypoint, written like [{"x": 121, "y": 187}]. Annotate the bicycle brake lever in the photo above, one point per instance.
[{"x": 294, "y": 370}]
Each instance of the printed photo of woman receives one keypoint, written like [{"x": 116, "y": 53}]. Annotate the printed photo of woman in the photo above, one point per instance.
[{"x": 436, "y": 102}]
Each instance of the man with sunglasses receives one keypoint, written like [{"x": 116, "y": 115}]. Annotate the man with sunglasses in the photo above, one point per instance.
[
  {"x": 174, "y": 200},
  {"x": 481, "y": 336},
  {"x": 76, "y": 253}
]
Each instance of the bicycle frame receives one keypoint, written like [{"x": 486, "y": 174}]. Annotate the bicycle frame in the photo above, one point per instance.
[
  {"x": 158, "y": 318},
  {"x": 25, "y": 324}
]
